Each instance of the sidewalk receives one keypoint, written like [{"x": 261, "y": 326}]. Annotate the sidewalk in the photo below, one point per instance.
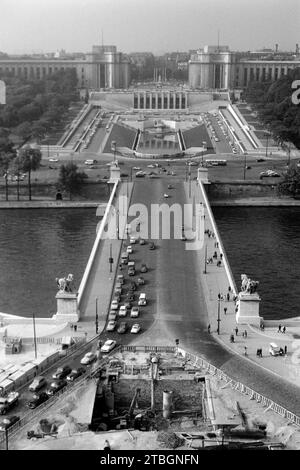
[{"x": 216, "y": 281}]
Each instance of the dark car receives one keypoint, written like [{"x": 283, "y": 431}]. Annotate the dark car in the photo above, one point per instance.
[
  {"x": 144, "y": 268},
  {"x": 141, "y": 281},
  {"x": 56, "y": 386},
  {"x": 133, "y": 286},
  {"x": 6, "y": 423},
  {"x": 37, "y": 400},
  {"x": 142, "y": 241},
  {"x": 75, "y": 374},
  {"x": 151, "y": 246},
  {"x": 122, "y": 328},
  {"x": 62, "y": 372}
]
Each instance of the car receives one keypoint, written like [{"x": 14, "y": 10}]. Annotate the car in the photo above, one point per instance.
[
  {"x": 193, "y": 163},
  {"x": 127, "y": 304},
  {"x": 37, "y": 399},
  {"x": 117, "y": 298},
  {"x": 132, "y": 240},
  {"x": 111, "y": 325},
  {"x": 7, "y": 423},
  {"x": 217, "y": 140},
  {"x": 183, "y": 238},
  {"x": 123, "y": 311},
  {"x": 166, "y": 195},
  {"x": 38, "y": 382},
  {"x": 120, "y": 278},
  {"x": 142, "y": 299},
  {"x": 141, "y": 281},
  {"x": 56, "y": 386},
  {"x": 131, "y": 271},
  {"x": 142, "y": 241},
  {"x": 122, "y": 328},
  {"x": 135, "y": 328},
  {"x": 144, "y": 268},
  {"x": 129, "y": 249},
  {"x": 53, "y": 160},
  {"x": 108, "y": 346},
  {"x": 112, "y": 315},
  {"x": 151, "y": 166},
  {"x": 259, "y": 160},
  {"x": 61, "y": 372},
  {"x": 170, "y": 186},
  {"x": 133, "y": 286},
  {"x": 136, "y": 168},
  {"x": 114, "y": 305},
  {"x": 88, "y": 358},
  {"x": 140, "y": 174},
  {"x": 75, "y": 374},
  {"x": 118, "y": 290},
  {"x": 135, "y": 311},
  {"x": 151, "y": 246},
  {"x": 269, "y": 173}
]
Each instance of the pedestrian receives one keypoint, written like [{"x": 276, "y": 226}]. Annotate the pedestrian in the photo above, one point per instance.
[
  {"x": 71, "y": 326},
  {"x": 106, "y": 446},
  {"x": 208, "y": 328},
  {"x": 236, "y": 330},
  {"x": 232, "y": 338},
  {"x": 222, "y": 297},
  {"x": 225, "y": 310},
  {"x": 221, "y": 256},
  {"x": 279, "y": 329},
  {"x": 75, "y": 327},
  {"x": 245, "y": 333},
  {"x": 285, "y": 350},
  {"x": 228, "y": 296},
  {"x": 229, "y": 289},
  {"x": 283, "y": 329},
  {"x": 219, "y": 296},
  {"x": 245, "y": 350}
]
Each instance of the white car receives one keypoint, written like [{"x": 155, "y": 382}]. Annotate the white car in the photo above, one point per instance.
[
  {"x": 135, "y": 311},
  {"x": 150, "y": 166},
  {"x": 111, "y": 325},
  {"x": 122, "y": 311},
  {"x": 166, "y": 196},
  {"x": 136, "y": 168},
  {"x": 108, "y": 346},
  {"x": 135, "y": 328},
  {"x": 88, "y": 358},
  {"x": 129, "y": 249},
  {"x": 132, "y": 240},
  {"x": 114, "y": 305},
  {"x": 217, "y": 140},
  {"x": 53, "y": 159}
]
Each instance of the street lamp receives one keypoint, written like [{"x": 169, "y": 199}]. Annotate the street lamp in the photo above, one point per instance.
[
  {"x": 205, "y": 261},
  {"x": 34, "y": 335},
  {"x": 96, "y": 321},
  {"x": 110, "y": 260},
  {"x": 245, "y": 165},
  {"x": 114, "y": 148},
  {"x": 218, "y": 320},
  {"x": 267, "y": 134}
]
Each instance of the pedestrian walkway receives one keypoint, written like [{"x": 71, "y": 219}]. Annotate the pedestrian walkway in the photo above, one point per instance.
[{"x": 215, "y": 282}]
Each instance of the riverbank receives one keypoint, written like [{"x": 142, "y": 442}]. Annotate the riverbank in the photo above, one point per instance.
[
  {"x": 42, "y": 204},
  {"x": 256, "y": 202}
]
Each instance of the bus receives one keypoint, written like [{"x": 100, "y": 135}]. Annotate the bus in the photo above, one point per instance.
[{"x": 210, "y": 162}]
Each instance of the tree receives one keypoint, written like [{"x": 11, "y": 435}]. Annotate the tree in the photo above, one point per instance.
[
  {"x": 70, "y": 179},
  {"x": 30, "y": 160},
  {"x": 290, "y": 185},
  {"x": 5, "y": 160}
]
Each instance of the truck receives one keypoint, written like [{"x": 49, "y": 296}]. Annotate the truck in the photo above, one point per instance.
[{"x": 8, "y": 401}]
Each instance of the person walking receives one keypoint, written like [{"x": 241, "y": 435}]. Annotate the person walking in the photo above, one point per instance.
[
  {"x": 245, "y": 350},
  {"x": 279, "y": 329},
  {"x": 285, "y": 350},
  {"x": 228, "y": 297},
  {"x": 225, "y": 310},
  {"x": 106, "y": 446},
  {"x": 208, "y": 328},
  {"x": 75, "y": 327},
  {"x": 283, "y": 329},
  {"x": 236, "y": 330},
  {"x": 245, "y": 333}
]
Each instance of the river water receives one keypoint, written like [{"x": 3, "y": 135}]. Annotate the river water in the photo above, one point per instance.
[
  {"x": 36, "y": 246},
  {"x": 263, "y": 242}
]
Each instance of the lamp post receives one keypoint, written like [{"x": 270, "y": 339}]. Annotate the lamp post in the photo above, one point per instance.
[
  {"x": 289, "y": 154},
  {"x": 110, "y": 260},
  {"x": 114, "y": 148},
  {"x": 218, "y": 320},
  {"x": 205, "y": 260},
  {"x": 267, "y": 135},
  {"x": 245, "y": 165},
  {"x": 96, "y": 321},
  {"x": 34, "y": 335}
]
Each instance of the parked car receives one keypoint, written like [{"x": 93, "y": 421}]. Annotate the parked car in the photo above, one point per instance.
[
  {"x": 112, "y": 315},
  {"x": 129, "y": 249},
  {"x": 120, "y": 278},
  {"x": 114, "y": 305},
  {"x": 122, "y": 311},
  {"x": 131, "y": 271},
  {"x": 7, "y": 423},
  {"x": 122, "y": 328},
  {"x": 151, "y": 246},
  {"x": 144, "y": 268},
  {"x": 127, "y": 304},
  {"x": 88, "y": 358},
  {"x": 61, "y": 372},
  {"x": 133, "y": 286},
  {"x": 111, "y": 325},
  {"x": 37, "y": 400},
  {"x": 270, "y": 173},
  {"x": 56, "y": 387},
  {"x": 135, "y": 328},
  {"x": 141, "y": 281},
  {"x": 135, "y": 311},
  {"x": 108, "y": 346},
  {"x": 38, "y": 382},
  {"x": 142, "y": 241},
  {"x": 75, "y": 374},
  {"x": 132, "y": 240}
]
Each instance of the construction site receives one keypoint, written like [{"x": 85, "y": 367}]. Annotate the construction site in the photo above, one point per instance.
[{"x": 155, "y": 400}]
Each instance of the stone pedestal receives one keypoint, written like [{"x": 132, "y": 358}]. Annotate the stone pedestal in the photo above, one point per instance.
[
  {"x": 115, "y": 173},
  {"x": 67, "y": 307},
  {"x": 248, "y": 309}
]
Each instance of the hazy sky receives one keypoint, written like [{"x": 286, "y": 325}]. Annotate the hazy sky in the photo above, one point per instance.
[{"x": 147, "y": 25}]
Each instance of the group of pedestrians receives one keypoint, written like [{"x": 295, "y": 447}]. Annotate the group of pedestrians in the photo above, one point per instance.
[
  {"x": 281, "y": 329},
  {"x": 209, "y": 233},
  {"x": 73, "y": 327}
]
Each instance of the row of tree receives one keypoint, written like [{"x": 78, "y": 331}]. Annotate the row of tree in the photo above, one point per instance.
[{"x": 273, "y": 103}]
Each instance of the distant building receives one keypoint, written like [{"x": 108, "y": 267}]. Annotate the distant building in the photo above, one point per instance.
[
  {"x": 216, "y": 67},
  {"x": 104, "y": 67}
]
